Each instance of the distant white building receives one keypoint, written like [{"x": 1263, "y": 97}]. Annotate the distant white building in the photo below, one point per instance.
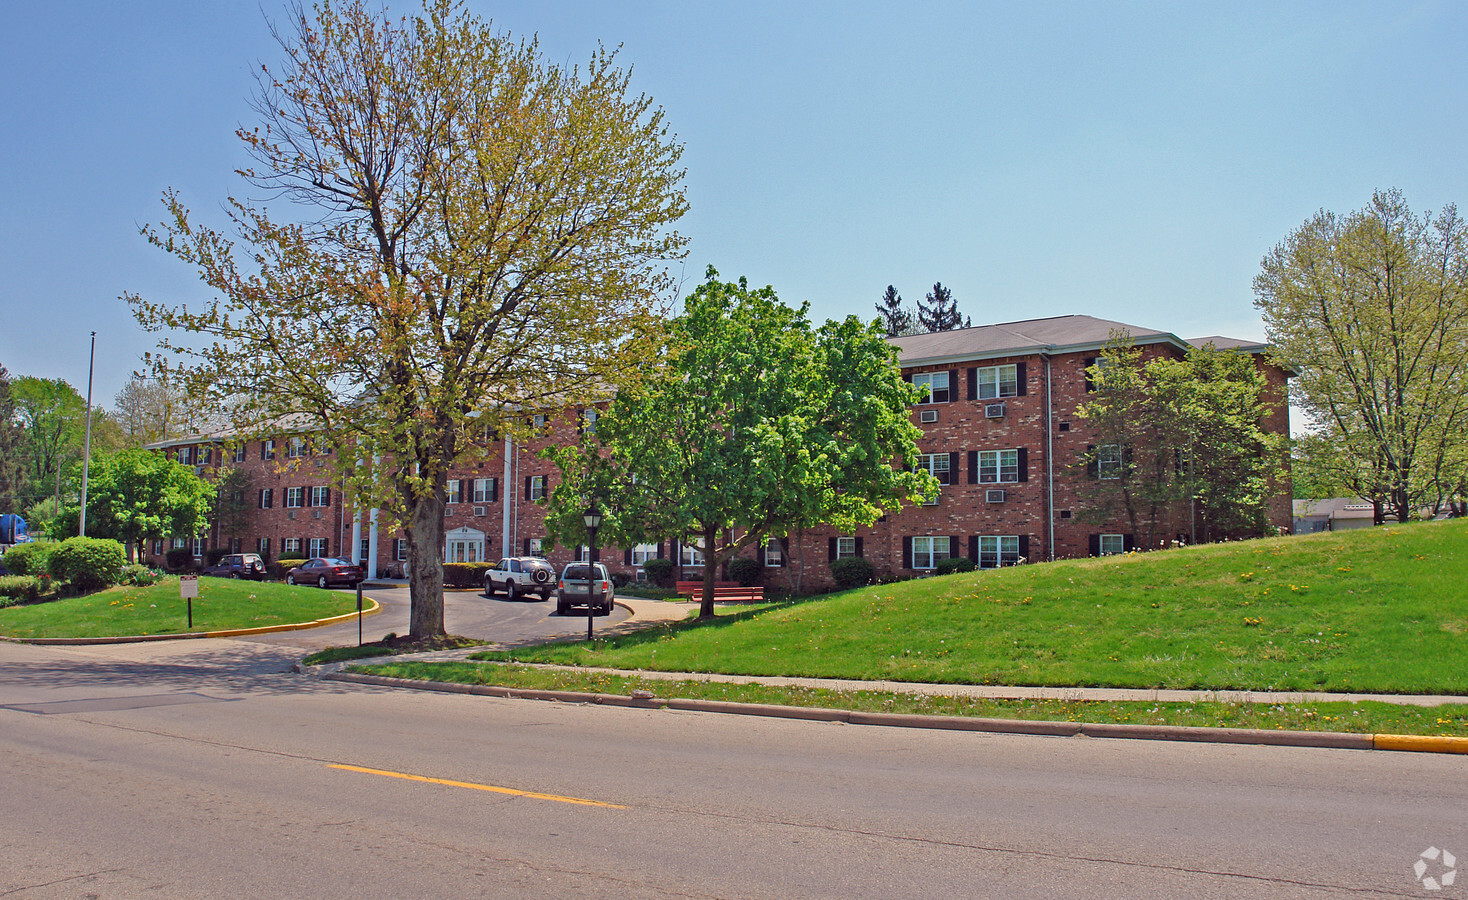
[{"x": 1335, "y": 514}]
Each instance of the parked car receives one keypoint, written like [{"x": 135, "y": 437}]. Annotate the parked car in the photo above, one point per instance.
[
  {"x": 325, "y": 572},
  {"x": 520, "y": 574},
  {"x": 238, "y": 565},
  {"x": 576, "y": 589}
]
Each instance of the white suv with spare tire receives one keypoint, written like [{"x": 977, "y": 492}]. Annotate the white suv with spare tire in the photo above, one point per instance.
[{"x": 516, "y": 575}]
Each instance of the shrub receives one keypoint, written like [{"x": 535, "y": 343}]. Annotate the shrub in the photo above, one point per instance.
[
  {"x": 620, "y": 580},
  {"x": 138, "y": 576},
  {"x": 179, "y": 559},
  {"x": 88, "y": 564},
  {"x": 955, "y": 564},
  {"x": 214, "y": 555},
  {"x": 466, "y": 574},
  {"x": 283, "y": 565},
  {"x": 747, "y": 572},
  {"x": 18, "y": 589},
  {"x": 659, "y": 571},
  {"x": 851, "y": 572},
  {"x": 29, "y": 559}
]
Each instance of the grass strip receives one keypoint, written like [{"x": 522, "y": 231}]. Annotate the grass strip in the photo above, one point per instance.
[
  {"x": 223, "y": 604},
  {"x": 390, "y": 646},
  {"x": 1368, "y": 717}
]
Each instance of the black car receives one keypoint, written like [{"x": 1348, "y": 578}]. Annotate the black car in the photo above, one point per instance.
[
  {"x": 325, "y": 572},
  {"x": 238, "y": 565}
]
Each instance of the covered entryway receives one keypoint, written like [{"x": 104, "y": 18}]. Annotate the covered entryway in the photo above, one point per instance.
[{"x": 464, "y": 545}]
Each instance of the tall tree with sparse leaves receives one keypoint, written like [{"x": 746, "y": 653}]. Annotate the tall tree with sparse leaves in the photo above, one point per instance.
[
  {"x": 761, "y": 425},
  {"x": 475, "y": 234},
  {"x": 896, "y": 318},
  {"x": 938, "y": 311}
]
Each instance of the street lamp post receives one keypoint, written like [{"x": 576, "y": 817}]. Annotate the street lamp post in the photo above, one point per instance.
[{"x": 592, "y": 520}]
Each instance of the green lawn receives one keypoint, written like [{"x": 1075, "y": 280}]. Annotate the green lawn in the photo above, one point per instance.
[
  {"x": 223, "y": 604},
  {"x": 1382, "y": 610},
  {"x": 1354, "y": 718}
]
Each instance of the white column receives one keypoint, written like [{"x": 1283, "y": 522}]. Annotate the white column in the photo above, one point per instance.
[{"x": 372, "y": 544}]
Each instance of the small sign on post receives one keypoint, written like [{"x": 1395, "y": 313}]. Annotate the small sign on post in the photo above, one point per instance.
[{"x": 188, "y": 589}]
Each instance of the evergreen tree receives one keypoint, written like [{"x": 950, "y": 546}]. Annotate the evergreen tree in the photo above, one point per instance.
[
  {"x": 896, "y": 318},
  {"x": 939, "y": 311}
]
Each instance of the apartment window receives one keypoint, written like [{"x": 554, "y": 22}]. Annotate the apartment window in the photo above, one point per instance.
[
  {"x": 1095, "y": 371},
  {"x": 290, "y": 548},
  {"x": 998, "y": 381},
  {"x": 538, "y": 420},
  {"x": 690, "y": 555},
  {"x": 997, "y": 466},
  {"x": 320, "y": 495},
  {"x": 205, "y": 456},
  {"x": 927, "y": 550},
  {"x": 486, "y": 490},
  {"x": 239, "y": 453},
  {"x": 364, "y": 550},
  {"x": 998, "y": 550},
  {"x": 456, "y": 494},
  {"x": 534, "y": 487},
  {"x": 1108, "y": 462},
  {"x": 267, "y": 498},
  {"x": 186, "y": 455},
  {"x": 262, "y": 547},
  {"x": 177, "y": 543},
  {"x": 267, "y": 449},
  {"x": 400, "y": 549},
  {"x": 295, "y": 448},
  {"x": 774, "y": 555},
  {"x": 295, "y": 497},
  {"x": 845, "y": 547},
  {"x": 535, "y": 545},
  {"x": 1112, "y": 543},
  {"x": 588, "y": 421},
  {"x": 583, "y": 553},
  {"x": 199, "y": 546},
  {"x": 317, "y": 547},
  {"x": 157, "y": 548},
  {"x": 937, "y": 464},
  {"x": 937, "y": 385},
  {"x": 644, "y": 552}
]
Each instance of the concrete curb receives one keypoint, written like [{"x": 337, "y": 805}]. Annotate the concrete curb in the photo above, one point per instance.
[
  {"x": 1319, "y": 739},
  {"x": 232, "y": 632}
]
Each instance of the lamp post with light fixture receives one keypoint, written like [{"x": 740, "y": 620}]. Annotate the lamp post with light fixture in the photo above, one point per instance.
[{"x": 592, "y": 520}]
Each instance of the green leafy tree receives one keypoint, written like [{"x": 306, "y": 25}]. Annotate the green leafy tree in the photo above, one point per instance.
[
  {"x": 54, "y": 418},
  {"x": 895, "y": 318},
  {"x": 136, "y": 494},
  {"x": 760, "y": 425},
  {"x": 1372, "y": 307},
  {"x": 474, "y": 235},
  {"x": 938, "y": 311},
  {"x": 12, "y": 450}
]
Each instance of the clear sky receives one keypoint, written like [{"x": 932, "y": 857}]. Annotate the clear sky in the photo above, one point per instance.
[{"x": 1132, "y": 161}]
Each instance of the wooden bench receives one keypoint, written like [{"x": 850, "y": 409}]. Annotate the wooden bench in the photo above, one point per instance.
[{"x": 724, "y": 592}]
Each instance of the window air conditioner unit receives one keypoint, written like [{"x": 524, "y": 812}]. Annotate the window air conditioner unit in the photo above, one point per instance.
[
  {"x": 934, "y": 501},
  {"x": 290, "y": 514},
  {"x": 198, "y": 470},
  {"x": 993, "y": 410},
  {"x": 928, "y": 416},
  {"x": 315, "y": 513},
  {"x": 994, "y": 496},
  {"x": 448, "y": 510},
  {"x": 478, "y": 510}
]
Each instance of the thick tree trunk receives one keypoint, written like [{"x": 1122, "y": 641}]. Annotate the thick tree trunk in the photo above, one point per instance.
[
  {"x": 425, "y": 566},
  {"x": 710, "y": 574}
]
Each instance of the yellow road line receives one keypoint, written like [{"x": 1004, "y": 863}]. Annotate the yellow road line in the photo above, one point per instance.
[{"x": 477, "y": 787}]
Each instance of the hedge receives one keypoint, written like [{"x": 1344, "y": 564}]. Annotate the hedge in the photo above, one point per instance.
[
  {"x": 851, "y": 572},
  {"x": 659, "y": 571},
  {"x": 746, "y": 571},
  {"x": 29, "y": 559},
  {"x": 88, "y": 564},
  {"x": 955, "y": 564},
  {"x": 19, "y": 589},
  {"x": 466, "y": 574}
]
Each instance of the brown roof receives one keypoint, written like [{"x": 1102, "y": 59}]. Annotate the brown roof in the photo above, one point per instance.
[{"x": 1058, "y": 334}]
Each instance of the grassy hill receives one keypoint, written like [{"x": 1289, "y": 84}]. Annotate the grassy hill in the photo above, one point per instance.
[{"x": 1382, "y": 610}]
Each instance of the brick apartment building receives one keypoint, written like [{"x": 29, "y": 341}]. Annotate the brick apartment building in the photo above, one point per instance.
[{"x": 1000, "y": 432}]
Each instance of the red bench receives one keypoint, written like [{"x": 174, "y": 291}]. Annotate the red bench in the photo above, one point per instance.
[{"x": 724, "y": 592}]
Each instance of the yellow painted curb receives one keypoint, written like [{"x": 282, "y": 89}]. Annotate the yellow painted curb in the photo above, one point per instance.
[
  {"x": 298, "y": 626},
  {"x": 235, "y": 632},
  {"x": 1416, "y": 743}
]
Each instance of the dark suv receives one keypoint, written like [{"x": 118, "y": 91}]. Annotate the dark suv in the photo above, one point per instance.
[
  {"x": 516, "y": 575},
  {"x": 238, "y": 565}
]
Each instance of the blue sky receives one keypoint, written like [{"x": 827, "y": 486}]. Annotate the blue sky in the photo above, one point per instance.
[{"x": 1132, "y": 161}]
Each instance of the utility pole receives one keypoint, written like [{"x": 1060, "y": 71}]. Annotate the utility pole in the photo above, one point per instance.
[{"x": 87, "y": 447}]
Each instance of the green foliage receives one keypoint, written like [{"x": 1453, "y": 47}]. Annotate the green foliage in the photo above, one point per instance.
[
  {"x": 53, "y": 417},
  {"x": 955, "y": 564},
  {"x": 760, "y": 425},
  {"x": 88, "y": 564},
  {"x": 938, "y": 311},
  {"x": 179, "y": 559},
  {"x": 659, "y": 572},
  {"x": 747, "y": 572},
  {"x": 136, "y": 494},
  {"x": 138, "y": 576},
  {"x": 466, "y": 574},
  {"x": 851, "y": 572},
  {"x": 896, "y": 319},
  {"x": 1372, "y": 306},
  {"x": 280, "y": 567},
  {"x": 29, "y": 559},
  {"x": 12, "y": 450},
  {"x": 19, "y": 589}
]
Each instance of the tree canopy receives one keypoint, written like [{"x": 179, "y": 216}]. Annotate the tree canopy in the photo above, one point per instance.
[
  {"x": 12, "y": 448},
  {"x": 761, "y": 424},
  {"x": 136, "y": 494},
  {"x": 1372, "y": 307},
  {"x": 472, "y": 234}
]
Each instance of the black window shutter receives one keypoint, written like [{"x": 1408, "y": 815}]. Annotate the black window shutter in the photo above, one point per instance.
[
  {"x": 627, "y": 557},
  {"x": 1019, "y": 379},
  {"x": 1087, "y": 363},
  {"x": 1024, "y": 464},
  {"x": 527, "y": 547},
  {"x": 1091, "y": 461},
  {"x": 952, "y": 468},
  {"x": 955, "y": 545},
  {"x": 262, "y": 451},
  {"x": 973, "y": 467},
  {"x": 907, "y": 377},
  {"x": 527, "y": 486},
  {"x": 327, "y": 499},
  {"x": 952, "y": 385},
  {"x": 784, "y": 550},
  {"x": 907, "y": 553},
  {"x": 1024, "y": 546},
  {"x": 1095, "y": 544},
  {"x": 858, "y": 547},
  {"x": 1129, "y": 542},
  {"x": 830, "y": 549},
  {"x": 494, "y": 489},
  {"x": 973, "y": 383},
  {"x": 326, "y": 546},
  {"x": 973, "y": 548},
  {"x": 662, "y": 550}
]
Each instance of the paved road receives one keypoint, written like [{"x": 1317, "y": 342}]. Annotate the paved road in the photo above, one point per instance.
[{"x": 198, "y": 769}]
